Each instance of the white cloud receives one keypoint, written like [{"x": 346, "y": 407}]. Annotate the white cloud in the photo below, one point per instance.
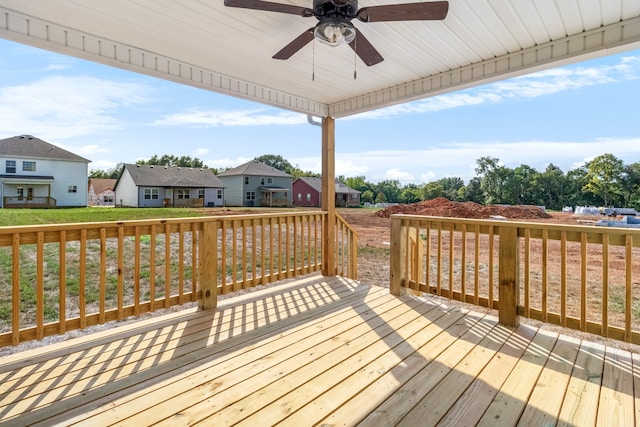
[
  {"x": 201, "y": 151},
  {"x": 529, "y": 86},
  {"x": 255, "y": 117},
  {"x": 65, "y": 107},
  {"x": 402, "y": 176}
]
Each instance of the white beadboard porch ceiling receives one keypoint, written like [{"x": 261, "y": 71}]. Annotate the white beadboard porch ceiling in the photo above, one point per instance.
[{"x": 202, "y": 43}]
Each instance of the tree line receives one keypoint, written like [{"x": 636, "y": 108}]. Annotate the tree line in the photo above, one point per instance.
[{"x": 604, "y": 181}]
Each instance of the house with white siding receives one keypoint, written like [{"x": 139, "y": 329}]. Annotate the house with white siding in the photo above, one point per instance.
[
  {"x": 152, "y": 186},
  {"x": 256, "y": 184},
  {"x": 37, "y": 174}
]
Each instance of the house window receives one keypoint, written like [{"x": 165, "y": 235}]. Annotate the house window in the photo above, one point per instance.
[
  {"x": 251, "y": 195},
  {"x": 29, "y": 166},
  {"x": 286, "y": 194},
  {"x": 269, "y": 180},
  {"x": 299, "y": 197},
  {"x": 107, "y": 199},
  {"x": 246, "y": 180},
  {"x": 151, "y": 194},
  {"x": 72, "y": 189},
  {"x": 10, "y": 166},
  {"x": 219, "y": 194},
  {"x": 262, "y": 181},
  {"x": 201, "y": 193},
  {"x": 20, "y": 193},
  {"x": 308, "y": 197},
  {"x": 183, "y": 194}
]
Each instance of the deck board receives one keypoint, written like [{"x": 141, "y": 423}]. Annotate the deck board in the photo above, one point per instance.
[{"x": 321, "y": 351}]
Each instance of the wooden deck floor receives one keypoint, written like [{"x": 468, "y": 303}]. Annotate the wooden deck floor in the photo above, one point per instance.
[{"x": 324, "y": 351}]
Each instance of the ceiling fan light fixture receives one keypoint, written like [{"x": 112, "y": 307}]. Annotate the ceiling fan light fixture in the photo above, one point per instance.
[{"x": 335, "y": 31}]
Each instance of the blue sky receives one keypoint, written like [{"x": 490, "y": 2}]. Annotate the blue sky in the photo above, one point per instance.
[{"x": 564, "y": 116}]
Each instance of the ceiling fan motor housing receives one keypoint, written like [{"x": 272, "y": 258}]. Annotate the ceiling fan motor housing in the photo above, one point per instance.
[{"x": 335, "y": 8}]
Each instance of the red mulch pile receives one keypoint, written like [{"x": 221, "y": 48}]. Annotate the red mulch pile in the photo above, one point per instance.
[{"x": 444, "y": 207}]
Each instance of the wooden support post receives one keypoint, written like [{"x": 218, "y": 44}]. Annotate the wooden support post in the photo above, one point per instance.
[
  {"x": 329, "y": 267},
  {"x": 208, "y": 257},
  {"x": 398, "y": 272},
  {"x": 508, "y": 276}
]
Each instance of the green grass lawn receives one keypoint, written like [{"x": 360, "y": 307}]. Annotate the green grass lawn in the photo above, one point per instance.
[{"x": 13, "y": 217}]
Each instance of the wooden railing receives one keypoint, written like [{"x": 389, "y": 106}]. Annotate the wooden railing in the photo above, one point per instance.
[
  {"x": 56, "y": 278},
  {"x": 581, "y": 277}
]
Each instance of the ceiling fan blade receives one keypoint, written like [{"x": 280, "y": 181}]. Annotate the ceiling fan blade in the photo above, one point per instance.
[
  {"x": 297, "y": 44},
  {"x": 425, "y": 11},
  {"x": 270, "y": 7},
  {"x": 365, "y": 50}
]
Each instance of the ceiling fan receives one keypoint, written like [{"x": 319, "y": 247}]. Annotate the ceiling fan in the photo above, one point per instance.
[{"x": 334, "y": 25}]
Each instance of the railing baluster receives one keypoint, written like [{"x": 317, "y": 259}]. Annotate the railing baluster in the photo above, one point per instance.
[
  {"x": 15, "y": 283},
  {"x": 62, "y": 279},
  {"x": 152, "y": 268},
  {"x": 136, "y": 272},
  {"x": 82, "y": 280},
  {"x": 527, "y": 272},
  {"x": 545, "y": 273},
  {"x": 583, "y": 281},
  {"x": 439, "y": 263},
  {"x": 103, "y": 273},
  {"x": 605, "y": 285},
  {"x": 120, "y": 273},
  {"x": 40, "y": 286},
  {"x": 195, "y": 255},
  {"x": 167, "y": 265},
  {"x": 234, "y": 256},
  {"x": 181, "y": 261},
  {"x": 476, "y": 266},
  {"x": 463, "y": 262},
  {"x": 563, "y": 278},
  {"x": 243, "y": 261},
  {"x": 223, "y": 257},
  {"x": 628, "y": 259}
]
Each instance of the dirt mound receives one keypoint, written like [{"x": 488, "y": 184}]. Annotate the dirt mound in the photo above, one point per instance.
[{"x": 444, "y": 207}]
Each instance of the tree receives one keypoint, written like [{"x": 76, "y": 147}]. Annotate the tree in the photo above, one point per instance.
[
  {"x": 432, "y": 190},
  {"x": 358, "y": 183},
  {"x": 390, "y": 188},
  {"x": 552, "y": 183},
  {"x": 381, "y": 198},
  {"x": 631, "y": 185},
  {"x": 493, "y": 178},
  {"x": 112, "y": 173},
  {"x": 174, "y": 161},
  {"x": 472, "y": 192},
  {"x": 367, "y": 197},
  {"x": 604, "y": 177},
  {"x": 451, "y": 187},
  {"x": 521, "y": 187},
  {"x": 410, "y": 194}
]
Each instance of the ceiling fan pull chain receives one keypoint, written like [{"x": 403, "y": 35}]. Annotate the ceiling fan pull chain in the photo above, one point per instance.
[
  {"x": 355, "y": 59},
  {"x": 313, "y": 62}
]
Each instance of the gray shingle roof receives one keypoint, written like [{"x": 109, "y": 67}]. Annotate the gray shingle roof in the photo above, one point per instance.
[
  {"x": 255, "y": 168},
  {"x": 316, "y": 184},
  {"x": 166, "y": 176},
  {"x": 27, "y": 146}
]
